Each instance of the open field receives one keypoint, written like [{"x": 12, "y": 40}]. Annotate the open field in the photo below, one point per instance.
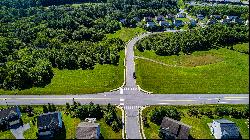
[
  {"x": 101, "y": 78},
  {"x": 70, "y": 126},
  {"x": 214, "y": 71},
  {"x": 126, "y": 33},
  {"x": 199, "y": 127}
]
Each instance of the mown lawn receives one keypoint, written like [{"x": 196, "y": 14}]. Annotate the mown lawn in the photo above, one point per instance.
[
  {"x": 199, "y": 127},
  {"x": 70, "y": 126},
  {"x": 126, "y": 33},
  {"x": 101, "y": 78},
  {"x": 214, "y": 71}
]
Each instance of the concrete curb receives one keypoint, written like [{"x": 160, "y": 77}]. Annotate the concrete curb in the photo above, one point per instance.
[
  {"x": 123, "y": 122},
  {"x": 140, "y": 89},
  {"x": 141, "y": 123}
]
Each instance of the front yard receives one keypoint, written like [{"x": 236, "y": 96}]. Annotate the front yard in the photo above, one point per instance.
[{"x": 199, "y": 127}]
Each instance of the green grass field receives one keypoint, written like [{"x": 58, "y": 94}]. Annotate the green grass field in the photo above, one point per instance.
[
  {"x": 199, "y": 127},
  {"x": 243, "y": 48},
  {"x": 214, "y": 71},
  {"x": 70, "y": 125},
  {"x": 126, "y": 33},
  {"x": 102, "y": 78}
]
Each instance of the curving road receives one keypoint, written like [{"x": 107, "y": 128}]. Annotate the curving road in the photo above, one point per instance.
[{"x": 128, "y": 97}]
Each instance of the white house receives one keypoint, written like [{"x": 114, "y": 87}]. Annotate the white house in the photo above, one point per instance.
[{"x": 224, "y": 129}]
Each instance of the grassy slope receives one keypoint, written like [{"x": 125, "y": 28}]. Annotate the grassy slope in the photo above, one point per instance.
[
  {"x": 102, "y": 78},
  {"x": 199, "y": 130},
  {"x": 228, "y": 72},
  {"x": 126, "y": 33}
]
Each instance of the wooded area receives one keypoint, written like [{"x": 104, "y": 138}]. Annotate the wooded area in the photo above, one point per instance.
[{"x": 35, "y": 38}]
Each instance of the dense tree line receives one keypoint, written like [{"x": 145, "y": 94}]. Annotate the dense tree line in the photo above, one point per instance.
[
  {"x": 213, "y": 36},
  {"x": 35, "y": 38},
  {"x": 94, "y": 111},
  {"x": 223, "y": 10}
]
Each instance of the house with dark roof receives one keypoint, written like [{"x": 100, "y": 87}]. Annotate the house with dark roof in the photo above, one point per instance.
[
  {"x": 173, "y": 129},
  {"x": 136, "y": 19},
  {"x": 193, "y": 22},
  {"x": 164, "y": 23},
  {"x": 169, "y": 16},
  {"x": 200, "y": 16},
  {"x": 49, "y": 124},
  {"x": 218, "y": 17},
  {"x": 147, "y": 19},
  {"x": 211, "y": 21},
  {"x": 88, "y": 129},
  {"x": 181, "y": 15},
  {"x": 178, "y": 23},
  {"x": 225, "y": 21},
  {"x": 150, "y": 24},
  {"x": 224, "y": 129},
  {"x": 232, "y": 17},
  {"x": 159, "y": 18},
  {"x": 237, "y": 20},
  {"x": 10, "y": 117}
]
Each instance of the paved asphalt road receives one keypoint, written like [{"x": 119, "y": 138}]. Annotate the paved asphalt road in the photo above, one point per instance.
[{"x": 129, "y": 97}]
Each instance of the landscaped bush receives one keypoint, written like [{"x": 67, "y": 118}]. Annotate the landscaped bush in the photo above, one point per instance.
[
  {"x": 223, "y": 111},
  {"x": 193, "y": 112}
]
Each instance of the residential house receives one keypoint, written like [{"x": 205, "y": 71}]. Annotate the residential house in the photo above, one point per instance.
[
  {"x": 10, "y": 117},
  {"x": 170, "y": 16},
  {"x": 218, "y": 17},
  {"x": 237, "y": 20},
  {"x": 136, "y": 19},
  {"x": 88, "y": 129},
  {"x": 211, "y": 21},
  {"x": 232, "y": 17},
  {"x": 178, "y": 23},
  {"x": 159, "y": 18},
  {"x": 232, "y": 1},
  {"x": 225, "y": 21},
  {"x": 147, "y": 19},
  {"x": 49, "y": 124},
  {"x": 193, "y": 22},
  {"x": 224, "y": 129},
  {"x": 200, "y": 16},
  {"x": 181, "y": 15},
  {"x": 164, "y": 23},
  {"x": 150, "y": 24},
  {"x": 123, "y": 21},
  {"x": 173, "y": 129}
]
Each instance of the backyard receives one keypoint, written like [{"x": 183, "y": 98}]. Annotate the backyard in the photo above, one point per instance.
[
  {"x": 199, "y": 127},
  {"x": 69, "y": 122}
]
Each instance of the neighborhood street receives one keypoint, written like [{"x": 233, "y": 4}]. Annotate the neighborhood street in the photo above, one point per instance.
[{"x": 129, "y": 97}]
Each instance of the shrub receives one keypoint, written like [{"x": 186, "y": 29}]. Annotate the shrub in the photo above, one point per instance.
[
  {"x": 158, "y": 114},
  {"x": 222, "y": 110}
]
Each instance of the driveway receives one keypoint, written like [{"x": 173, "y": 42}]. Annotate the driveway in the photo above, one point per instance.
[{"x": 18, "y": 132}]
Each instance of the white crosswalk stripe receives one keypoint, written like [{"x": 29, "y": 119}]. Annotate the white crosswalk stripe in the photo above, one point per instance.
[
  {"x": 129, "y": 88},
  {"x": 131, "y": 107}
]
